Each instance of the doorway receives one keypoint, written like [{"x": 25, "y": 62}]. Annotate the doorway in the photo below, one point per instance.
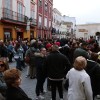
[{"x": 19, "y": 35}]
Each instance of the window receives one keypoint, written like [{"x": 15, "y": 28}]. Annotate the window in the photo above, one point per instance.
[
  {"x": 32, "y": 0},
  {"x": 32, "y": 10},
  {"x": 40, "y": 20},
  {"x": 46, "y": 6},
  {"x": 32, "y": 13},
  {"x": 7, "y": 10},
  {"x": 20, "y": 7},
  {"x": 20, "y": 11},
  {"x": 40, "y": 2},
  {"x": 7, "y": 36},
  {"x": 50, "y": 11},
  {"x": 8, "y": 4},
  {"x": 49, "y": 24},
  {"x": 45, "y": 22}
]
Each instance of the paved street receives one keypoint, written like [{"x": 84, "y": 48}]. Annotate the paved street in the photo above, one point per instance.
[{"x": 28, "y": 85}]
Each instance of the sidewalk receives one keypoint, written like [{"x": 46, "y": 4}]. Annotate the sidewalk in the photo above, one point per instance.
[{"x": 28, "y": 85}]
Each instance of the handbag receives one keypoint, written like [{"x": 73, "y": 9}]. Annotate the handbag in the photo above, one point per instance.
[{"x": 16, "y": 57}]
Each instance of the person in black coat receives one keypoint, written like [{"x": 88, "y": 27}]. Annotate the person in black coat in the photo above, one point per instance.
[
  {"x": 93, "y": 69},
  {"x": 83, "y": 50},
  {"x": 3, "y": 86},
  {"x": 57, "y": 65},
  {"x": 3, "y": 50},
  {"x": 40, "y": 76},
  {"x": 13, "y": 80}
]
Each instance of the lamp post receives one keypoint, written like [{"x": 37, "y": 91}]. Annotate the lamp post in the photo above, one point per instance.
[{"x": 29, "y": 20}]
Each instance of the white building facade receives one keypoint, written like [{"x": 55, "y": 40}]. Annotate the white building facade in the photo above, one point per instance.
[
  {"x": 63, "y": 26},
  {"x": 56, "y": 24},
  {"x": 71, "y": 25},
  {"x": 87, "y": 30}
]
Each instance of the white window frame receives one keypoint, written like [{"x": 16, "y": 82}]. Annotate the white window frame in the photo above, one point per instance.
[
  {"x": 20, "y": 8},
  {"x": 40, "y": 20},
  {"x": 46, "y": 6},
  {"x": 20, "y": 11},
  {"x": 45, "y": 21}
]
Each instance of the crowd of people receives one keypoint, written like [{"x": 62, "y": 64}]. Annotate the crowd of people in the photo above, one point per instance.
[{"x": 75, "y": 60}]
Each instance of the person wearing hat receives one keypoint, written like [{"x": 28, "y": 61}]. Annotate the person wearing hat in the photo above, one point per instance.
[
  {"x": 48, "y": 46},
  {"x": 57, "y": 43}
]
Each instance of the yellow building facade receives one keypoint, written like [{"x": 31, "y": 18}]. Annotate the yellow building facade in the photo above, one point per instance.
[
  {"x": 12, "y": 31},
  {"x": 14, "y": 18}
]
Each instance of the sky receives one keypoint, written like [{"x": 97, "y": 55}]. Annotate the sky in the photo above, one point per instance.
[{"x": 85, "y": 11}]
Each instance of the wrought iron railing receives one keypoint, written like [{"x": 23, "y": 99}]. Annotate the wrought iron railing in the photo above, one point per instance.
[{"x": 11, "y": 15}]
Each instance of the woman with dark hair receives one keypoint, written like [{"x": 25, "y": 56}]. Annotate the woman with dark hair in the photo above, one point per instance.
[{"x": 13, "y": 80}]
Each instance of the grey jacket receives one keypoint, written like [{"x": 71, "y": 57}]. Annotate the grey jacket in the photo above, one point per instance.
[{"x": 30, "y": 53}]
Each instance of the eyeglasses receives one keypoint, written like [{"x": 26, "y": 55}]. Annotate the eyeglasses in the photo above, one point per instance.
[{"x": 1, "y": 65}]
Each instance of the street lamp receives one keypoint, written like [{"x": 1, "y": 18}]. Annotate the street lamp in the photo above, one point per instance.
[{"x": 29, "y": 20}]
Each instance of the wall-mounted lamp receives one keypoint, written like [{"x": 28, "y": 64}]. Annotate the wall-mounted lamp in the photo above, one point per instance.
[{"x": 30, "y": 19}]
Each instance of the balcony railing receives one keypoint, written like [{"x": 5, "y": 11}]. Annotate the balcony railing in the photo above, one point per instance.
[{"x": 11, "y": 15}]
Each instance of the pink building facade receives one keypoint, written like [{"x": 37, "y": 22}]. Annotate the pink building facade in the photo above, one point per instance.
[{"x": 44, "y": 18}]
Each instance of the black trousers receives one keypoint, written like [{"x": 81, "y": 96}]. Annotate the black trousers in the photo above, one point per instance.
[
  {"x": 39, "y": 85},
  {"x": 48, "y": 84},
  {"x": 10, "y": 56},
  {"x": 56, "y": 85}
]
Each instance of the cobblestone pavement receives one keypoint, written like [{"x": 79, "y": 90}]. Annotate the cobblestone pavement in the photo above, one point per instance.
[{"x": 28, "y": 85}]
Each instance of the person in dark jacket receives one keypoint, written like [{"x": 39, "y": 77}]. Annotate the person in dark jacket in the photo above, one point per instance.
[
  {"x": 93, "y": 69},
  {"x": 3, "y": 50},
  {"x": 3, "y": 85},
  {"x": 13, "y": 80},
  {"x": 40, "y": 76},
  {"x": 57, "y": 65},
  {"x": 82, "y": 51},
  {"x": 30, "y": 54},
  {"x": 10, "y": 51}
]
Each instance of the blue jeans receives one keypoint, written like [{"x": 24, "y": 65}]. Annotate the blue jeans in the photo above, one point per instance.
[{"x": 18, "y": 64}]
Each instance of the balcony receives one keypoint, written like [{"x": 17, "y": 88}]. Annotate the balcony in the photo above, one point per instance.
[{"x": 13, "y": 16}]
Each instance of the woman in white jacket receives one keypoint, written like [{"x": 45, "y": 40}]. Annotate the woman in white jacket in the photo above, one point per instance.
[{"x": 79, "y": 81}]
